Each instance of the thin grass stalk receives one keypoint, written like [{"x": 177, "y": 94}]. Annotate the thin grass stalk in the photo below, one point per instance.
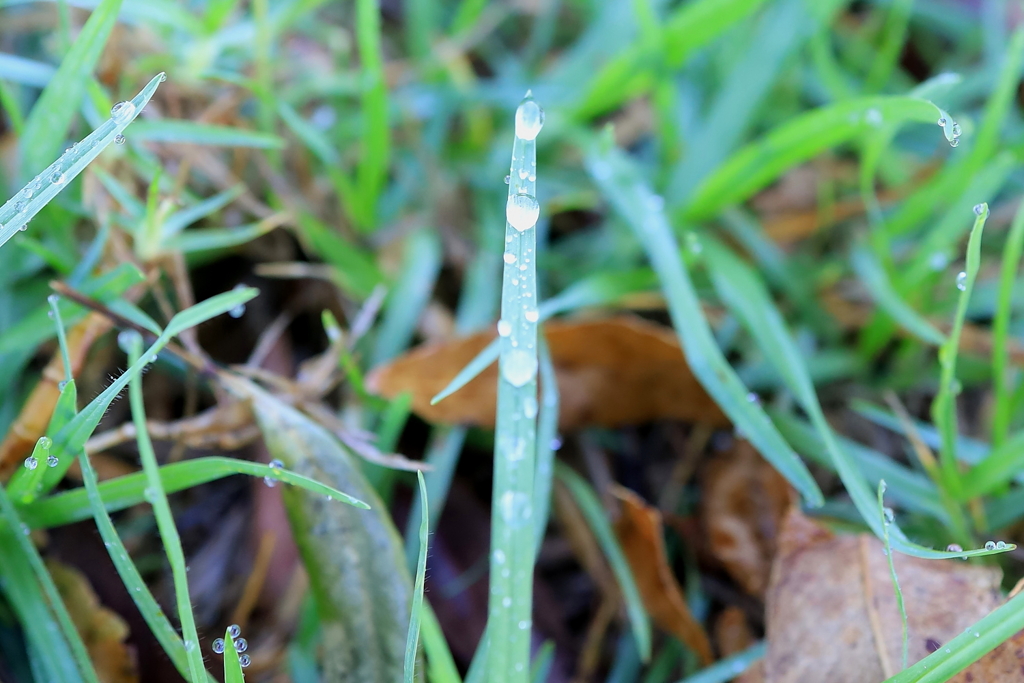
[
  {"x": 1001, "y": 329},
  {"x": 164, "y": 518},
  {"x": 512, "y": 532}
]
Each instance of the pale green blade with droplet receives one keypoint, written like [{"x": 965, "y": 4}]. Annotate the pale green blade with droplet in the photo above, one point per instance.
[{"x": 19, "y": 210}]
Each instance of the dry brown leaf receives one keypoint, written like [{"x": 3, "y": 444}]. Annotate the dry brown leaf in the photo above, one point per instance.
[
  {"x": 102, "y": 630},
  {"x": 831, "y": 610},
  {"x": 611, "y": 372},
  {"x": 744, "y": 503},
  {"x": 639, "y": 532}
]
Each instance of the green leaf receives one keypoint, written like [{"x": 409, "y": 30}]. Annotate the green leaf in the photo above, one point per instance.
[
  {"x": 885, "y": 295},
  {"x": 232, "y": 665},
  {"x": 48, "y": 123},
  {"x": 192, "y": 133},
  {"x": 413, "y": 639}
]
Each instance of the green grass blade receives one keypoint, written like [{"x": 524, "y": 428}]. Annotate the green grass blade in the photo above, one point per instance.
[
  {"x": 547, "y": 444},
  {"x": 594, "y": 513},
  {"x": 128, "y": 490},
  {"x": 441, "y": 666},
  {"x": 1001, "y": 466},
  {"x": 232, "y": 665},
  {"x": 1002, "y": 404},
  {"x": 799, "y": 139},
  {"x": 968, "y": 647},
  {"x": 874, "y": 277},
  {"x": 886, "y": 515},
  {"x": 211, "y": 308},
  {"x": 542, "y": 663},
  {"x": 943, "y": 409},
  {"x": 642, "y": 210},
  {"x": 893, "y": 36},
  {"x": 42, "y": 575},
  {"x": 412, "y": 643},
  {"x": 730, "y": 667},
  {"x": 510, "y": 606},
  {"x": 179, "y": 220},
  {"x": 421, "y": 264},
  {"x": 373, "y": 165},
  {"x": 156, "y": 495},
  {"x": 48, "y": 123},
  {"x": 442, "y": 456},
  {"x": 151, "y": 611},
  {"x": 746, "y": 296},
  {"x": 634, "y": 71},
  {"x": 19, "y": 209}
]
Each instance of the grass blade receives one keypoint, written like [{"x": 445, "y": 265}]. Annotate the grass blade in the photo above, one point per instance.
[
  {"x": 642, "y": 210},
  {"x": 874, "y": 277},
  {"x": 1000, "y": 329},
  {"x": 156, "y": 495},
  {"x": 412, "y": 642},
  {"x": 192, "y": 133},
  {"x": 887, "y": 518},
  {"x": 19, "y": 209},
  {"x": 944, "y": 406},
  {"x": 232, "y": 663},
  {"x": 48, "y": 123},
  {"x": 595, "y": 515},
  {"x": 730, "y": 667}
]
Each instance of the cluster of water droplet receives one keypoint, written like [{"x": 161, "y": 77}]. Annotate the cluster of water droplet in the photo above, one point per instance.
[
  {"x": 240, "y": 644},
  {"x": 995, "y": 545},
  {"x": 952, "y": 133},
  {"x": 43, "y": 448},
  {"x": 275, "y": 465}
]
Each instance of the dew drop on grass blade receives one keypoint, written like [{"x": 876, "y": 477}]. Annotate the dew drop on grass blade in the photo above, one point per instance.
[{"x": 19, "y": 210}]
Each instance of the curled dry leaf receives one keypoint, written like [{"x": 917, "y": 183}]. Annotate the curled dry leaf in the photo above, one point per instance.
[
  {"x": 831, "y": 609},
  {"x": 639, "y": 530},
  {"x": 611, "y": 372},
  {"x": 744, "y": 503},
  {"x": 102, "y": 630}
]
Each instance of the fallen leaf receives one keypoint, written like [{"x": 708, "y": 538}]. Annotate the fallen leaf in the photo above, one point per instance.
[
  {"x": 639, "y": 531},
  {"x": 733, "y": 635},
  {"x": 831, "y": 609},
  {"x": 597, "y": 385},
  {"x": 744, "y": 502},
  {"x": 102, "y": 630}
]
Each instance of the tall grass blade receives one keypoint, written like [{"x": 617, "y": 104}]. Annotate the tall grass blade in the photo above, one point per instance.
[{"x": 412, "y": 643}]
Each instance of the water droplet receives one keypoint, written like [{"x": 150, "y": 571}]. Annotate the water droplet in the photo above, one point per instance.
[
  {"x": 52, "y": 461},
  {"x": 127, "y": 338},
  {"x": 942, "y": 122},
  {"x": 955, "y": 142},
  {"x": 938, "y": 261},
  {"x": 873, "y": 117},
  {"x": 504, "y": 328},
  {"x": 519, "y": 367},
  {"x": 234, "y": 631},
  {"x": 956, "y": 129},
  {"x": 241, "y": 645},
  {"x": 961, "y": 281},
  {"x": 885, "y": 551},
  {"x": 522, "y": 211},
  {"x": 270, "y": 482},
  {"x": 57, "y": 178},
  {"x": 990, "y": 545},
  {"x": 44, "y": 442},
  {"x": 508, "y": 257},
  {"x": 954, "y": 548},
  {"x": 532, "y": 315},
  {"x": 523, "y": 174},
  {"x": 753, "y": 398},
  {"x": 515, "y": 508},
  {"x": 508, "y": 179},
  {"x": 31, "y": 463},
  {"x": 190, "y": 645},
  {"x": 276, "y": 464},
  {"x": 499, "y": 556},
  {"x": 1000, "y": 545},
  {"x": 218, "y": 645},
  {"x": 149, "y": 494},
  {"x": 524, "y": 624},
  {"x": 506, "y": 602},
  {"x": 61, "y": 385},
  {"x": 948, "y": 650},
  {"x": 244, "y": 660},
  {"x": 53, "y": 299},
  {"x": 980, "y": 209},
  {"x": 556, "y": 443},
  {"x": 162, "y": 76},
  {"x": 530, "y": 407},
  {"x": 888, "y": 515},
  {"x": 693, "y": 243},
  {"x": 529, "y": 119},
  {"x": 122, "y": 112},
  {"x": 119, "y": 139}
]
